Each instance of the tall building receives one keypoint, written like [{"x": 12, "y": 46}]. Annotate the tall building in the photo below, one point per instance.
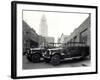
[{"x": 43, "y": 27}]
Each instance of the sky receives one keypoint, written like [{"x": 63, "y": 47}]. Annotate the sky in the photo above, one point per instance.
[{"x": 57, "y": 23}]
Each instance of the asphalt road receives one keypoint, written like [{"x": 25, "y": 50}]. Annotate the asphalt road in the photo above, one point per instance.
[{"x": 66, "y": 63}]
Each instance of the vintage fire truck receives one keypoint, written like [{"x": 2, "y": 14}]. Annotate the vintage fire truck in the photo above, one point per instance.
[{"x": 70, "y": 50}]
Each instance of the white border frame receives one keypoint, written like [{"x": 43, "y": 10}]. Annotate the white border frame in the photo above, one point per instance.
[{"x": 52, "y": 71}]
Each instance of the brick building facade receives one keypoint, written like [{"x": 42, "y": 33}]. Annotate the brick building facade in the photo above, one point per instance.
[
  {"x": 30, "y": 37},
  {"x": 81, "y": 34}
]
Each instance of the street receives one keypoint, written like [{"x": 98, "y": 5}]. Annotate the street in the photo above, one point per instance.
[{"x": 66, "y": 63}]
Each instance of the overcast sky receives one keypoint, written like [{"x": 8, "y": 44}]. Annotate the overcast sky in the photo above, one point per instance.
[{"x": 58, "y": 23}]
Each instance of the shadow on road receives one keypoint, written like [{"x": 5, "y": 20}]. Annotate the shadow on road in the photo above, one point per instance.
[{"x": 73, "y": 61}]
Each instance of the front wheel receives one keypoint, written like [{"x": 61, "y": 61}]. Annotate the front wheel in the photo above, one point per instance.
[
  {"x": 36, "y": 58},
  {"x": 55, "y": 60}
]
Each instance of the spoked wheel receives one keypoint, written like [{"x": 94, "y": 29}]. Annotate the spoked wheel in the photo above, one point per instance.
[
  {"x": 36, "y": 58},
  {"x": 55, "y": 60}
]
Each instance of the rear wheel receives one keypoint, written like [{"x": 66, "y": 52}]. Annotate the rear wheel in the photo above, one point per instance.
[
  {"x": 36, "y": 58},
  {"x": 55, "y": 60}
]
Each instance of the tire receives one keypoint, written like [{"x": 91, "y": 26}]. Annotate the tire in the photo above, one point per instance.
[
  {"x": 36, "y": 58},
  {"x": 55, "y": 60}
]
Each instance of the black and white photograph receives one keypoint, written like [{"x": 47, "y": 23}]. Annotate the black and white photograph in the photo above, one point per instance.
[
  {"x": 54, "y": 39},
  {"x": 68, "y": 45}
]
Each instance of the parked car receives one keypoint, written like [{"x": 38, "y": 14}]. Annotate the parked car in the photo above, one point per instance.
[
  {"x": 34, "y": 54},
  {"x": 70, "y": 50}
]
